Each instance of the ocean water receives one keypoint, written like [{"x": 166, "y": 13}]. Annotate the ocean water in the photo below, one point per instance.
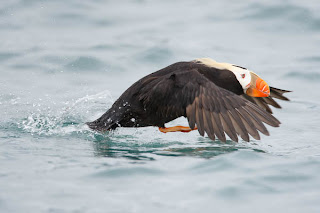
[{"x": 63, "y": 63}]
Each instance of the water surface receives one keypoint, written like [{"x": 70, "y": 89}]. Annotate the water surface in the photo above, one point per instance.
[{"x": 63, "y": 63}]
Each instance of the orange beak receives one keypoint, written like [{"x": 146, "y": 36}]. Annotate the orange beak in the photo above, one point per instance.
[{"x": 259, "y": 88}]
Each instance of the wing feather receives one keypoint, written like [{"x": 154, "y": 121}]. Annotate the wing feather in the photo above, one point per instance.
[
  {"x": 226, "y": 121},
  {"x": 217, "y": 125},
  {"x": 252, "y": 130},
  {"x": 258, "y": 124},
  {"x": 228, "y": 127},
  {"x": 199, "y": 117},
  {"x": 208, "y": 124},
  {"x": 240, "y": 127}
]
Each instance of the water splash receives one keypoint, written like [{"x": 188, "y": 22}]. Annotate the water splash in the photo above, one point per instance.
[{"x": 68, "y": 119}]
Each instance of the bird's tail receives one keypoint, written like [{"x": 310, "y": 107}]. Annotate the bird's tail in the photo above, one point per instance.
[
  {"x": 94, "y": 125},
  {"x": 104, "y": 123}
]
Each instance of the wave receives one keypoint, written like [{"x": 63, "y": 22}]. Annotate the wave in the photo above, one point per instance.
[
  {"x": 4, "y": 56},
  {"x": 288, "y": 16},
  {"x": 310, "y": 76},
  {"x": 155, "y": 55},
  {"x": 85, "y": 63}
]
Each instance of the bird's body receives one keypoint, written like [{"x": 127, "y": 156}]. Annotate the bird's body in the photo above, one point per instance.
[{"x": 212, "y": 96}]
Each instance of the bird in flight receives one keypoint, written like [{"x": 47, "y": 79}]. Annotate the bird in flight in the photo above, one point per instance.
[{"x": 216, "y": 98}]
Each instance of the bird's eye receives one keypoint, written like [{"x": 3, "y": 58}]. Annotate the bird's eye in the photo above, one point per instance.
[{"x": 243, "y": 75}]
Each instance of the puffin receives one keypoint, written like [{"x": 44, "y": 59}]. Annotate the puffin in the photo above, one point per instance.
[{"x": 218, "y": 99}]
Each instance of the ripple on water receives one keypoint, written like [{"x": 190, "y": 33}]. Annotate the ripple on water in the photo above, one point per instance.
[
  {"x": 285, "y": 14},
  {"x": 313, "y": 59},
  {"x": 84, "y": 63},
  {"x": 155, "y": 55},
  {"x": 310, "y": 76},
  {"x": 8, "y": 55},
  {"x": 221, "y": 164},
  {"x": 125, "y": 172}
]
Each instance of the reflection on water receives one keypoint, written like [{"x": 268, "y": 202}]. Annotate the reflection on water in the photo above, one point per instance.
[{"x": 109, "y": 146}]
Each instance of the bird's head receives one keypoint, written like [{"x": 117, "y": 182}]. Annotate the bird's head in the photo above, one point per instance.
[{"x": 251, "y": 83}]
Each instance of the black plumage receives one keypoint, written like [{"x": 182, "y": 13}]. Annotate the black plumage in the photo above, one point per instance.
[{"x": 211, "y": 98}]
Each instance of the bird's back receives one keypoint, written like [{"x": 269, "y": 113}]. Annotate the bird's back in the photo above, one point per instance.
[{"x": 128, "y": 111}]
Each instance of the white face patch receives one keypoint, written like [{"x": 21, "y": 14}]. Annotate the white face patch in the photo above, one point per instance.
[{"x": 242, "y": 74}]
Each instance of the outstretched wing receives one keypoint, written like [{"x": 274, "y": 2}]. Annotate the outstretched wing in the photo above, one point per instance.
[
  {"x": 212, "y": 109},
  {"x": 264, "y": 102}
]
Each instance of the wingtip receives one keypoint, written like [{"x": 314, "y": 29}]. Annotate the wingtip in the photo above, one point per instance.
[
  {"x": 235, "y": 139},
  {"x": 245, "y": 137},
  {"x": 223, "y": 138},
  {"x": 266, "y": 133},
  {"x": 280, "y": 90}
]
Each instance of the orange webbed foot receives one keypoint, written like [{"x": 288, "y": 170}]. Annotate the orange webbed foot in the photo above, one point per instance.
[{"x": 176, "y": 129}]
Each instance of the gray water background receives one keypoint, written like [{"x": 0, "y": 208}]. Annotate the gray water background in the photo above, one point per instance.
[{"x": 63, "y": 63}]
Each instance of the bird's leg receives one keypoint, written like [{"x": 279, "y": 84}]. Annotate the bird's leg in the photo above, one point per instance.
[{"x": 176, "y": 129}]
